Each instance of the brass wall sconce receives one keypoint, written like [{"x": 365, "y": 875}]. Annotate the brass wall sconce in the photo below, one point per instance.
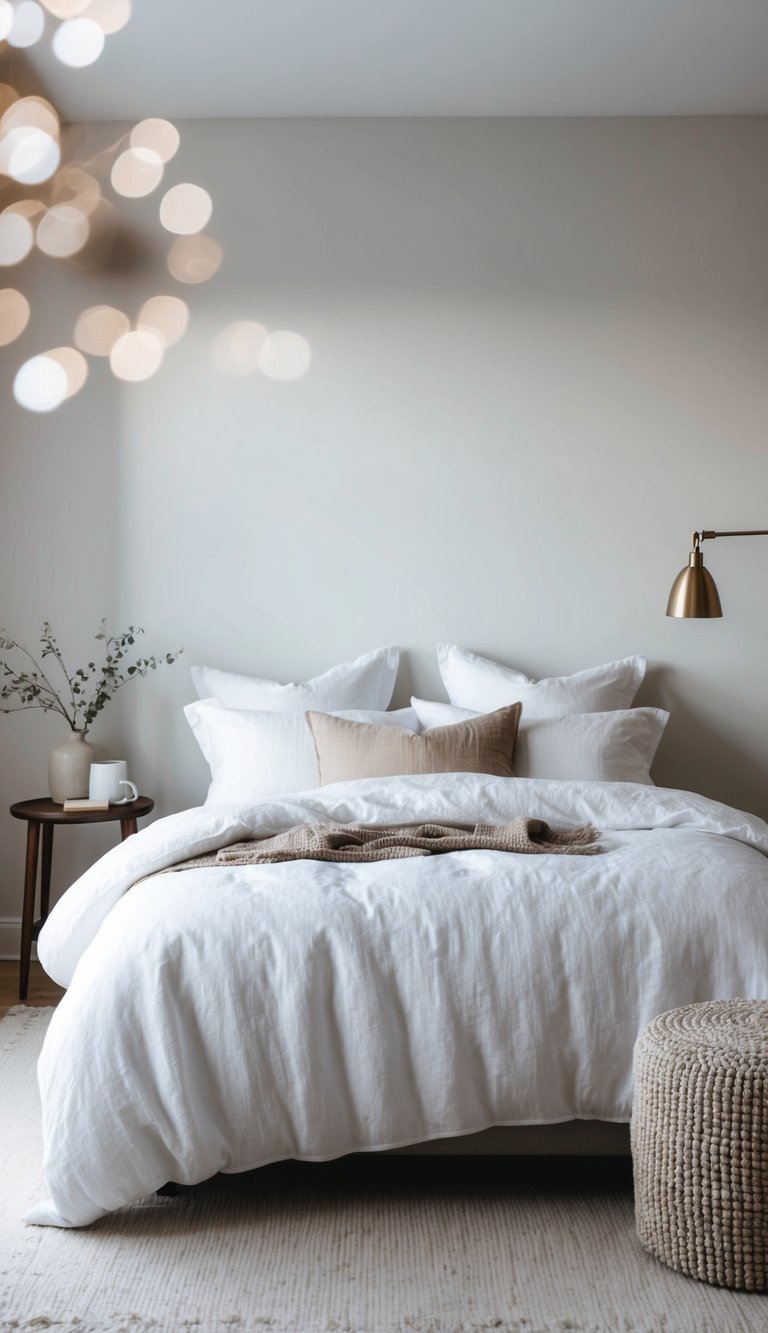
[{"x": 694, "y": 592}]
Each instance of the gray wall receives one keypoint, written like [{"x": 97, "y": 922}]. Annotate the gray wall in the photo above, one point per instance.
[{"x": 539, "y": 360}]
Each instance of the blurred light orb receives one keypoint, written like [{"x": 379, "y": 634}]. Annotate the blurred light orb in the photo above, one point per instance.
[
  {"x": 63, "y": 231},
  {"x": 166, "y": 316},
  {"x": 27, "y": 208},
  {"x": 74, "y": 365},
  {"x": 29, "y": 155},
  {"x": 136, "y": 172},
  {"x": 28, "y": 24},
  {"x": 74, "y": 186},
  {"x": 185, "y": 209},
  {"x": 78, "y": 42},
  {"x": 8, "y": 96},
  {"x": 41, "y": 384},
  {"x": 98, "y": 329},
  {"x": 194, "y": 258},
  {"x": 14, "y": 315},
  {"x": 136, "y": 355},
  {"x": 66, "y": 9},
  {"x": 159, "y": 136},
  {"x": 16, "y": 237},
  {"x": 111, "y": 15},
  {"x": 237, "y": 348},
  {"x": 6, "y": 18},
  {"x": 30, "y": 113},
  {"x": 285, "y": 355}
]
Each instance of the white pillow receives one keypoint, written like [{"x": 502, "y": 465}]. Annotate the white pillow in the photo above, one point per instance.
[
  {"x": 585, "y": 747},
  {"x": 367, "y": 682},
  {"x": 483, "y": 685},
  {"x": 254, "y": 755}
]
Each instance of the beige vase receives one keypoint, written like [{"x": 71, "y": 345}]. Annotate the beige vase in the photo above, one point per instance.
[{"x": 69, "y": 767}]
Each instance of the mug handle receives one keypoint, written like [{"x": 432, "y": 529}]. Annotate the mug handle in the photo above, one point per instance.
[{"x": 134, "y": 796}]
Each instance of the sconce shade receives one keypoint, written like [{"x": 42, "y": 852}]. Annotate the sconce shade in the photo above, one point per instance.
[{"x": 694, "y": 592}]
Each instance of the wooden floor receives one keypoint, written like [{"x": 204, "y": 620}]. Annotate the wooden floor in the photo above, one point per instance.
[{"x": 41, "y": 989}]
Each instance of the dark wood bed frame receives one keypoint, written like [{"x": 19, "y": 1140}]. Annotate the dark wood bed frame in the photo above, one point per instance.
[{"x": 572, "y": 1138}]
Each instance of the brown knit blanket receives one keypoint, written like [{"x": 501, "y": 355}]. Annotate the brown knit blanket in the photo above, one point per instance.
[{"x": 389, "y": 842}]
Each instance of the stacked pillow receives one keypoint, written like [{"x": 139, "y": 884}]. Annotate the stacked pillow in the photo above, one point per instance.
[
  {"x": 254, "y": 734},
  {"x": 264, "y": 739},
  {"x": 481, "y": 684},
  {"x": 367, "y": 682},
  {"x": 578, "y": 727}
]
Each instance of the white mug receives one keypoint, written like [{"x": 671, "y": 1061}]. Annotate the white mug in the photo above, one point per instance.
[{"x": 106, "y": 779}]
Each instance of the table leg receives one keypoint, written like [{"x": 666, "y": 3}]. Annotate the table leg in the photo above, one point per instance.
[
  {"x": 127, "y": 827},
  {"x": 45, "y": 870},
  {"x": 28, "y": 909}
]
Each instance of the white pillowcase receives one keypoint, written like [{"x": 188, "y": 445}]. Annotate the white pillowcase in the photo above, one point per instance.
[
  {"x": 367, "y": 682},
  {"x": 254, "y": 755},
  {"x": 589, "y": 747},
  {"x": 483, "y": 685}
]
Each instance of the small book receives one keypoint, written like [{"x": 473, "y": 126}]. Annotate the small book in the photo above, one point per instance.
[{"x": 83, "y": 803}]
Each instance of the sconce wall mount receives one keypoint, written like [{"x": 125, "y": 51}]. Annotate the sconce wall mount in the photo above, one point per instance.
[{"x": 694, "y": 592}]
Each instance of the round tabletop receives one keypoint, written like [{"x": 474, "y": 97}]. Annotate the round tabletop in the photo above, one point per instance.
[{"x": 45, "y": 811}]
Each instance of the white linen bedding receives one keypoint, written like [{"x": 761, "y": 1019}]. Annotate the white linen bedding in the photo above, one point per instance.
[{"x": 218, "y": 1019}]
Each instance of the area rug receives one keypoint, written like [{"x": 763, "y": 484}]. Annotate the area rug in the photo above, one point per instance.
[{"x": 370, "y": 1245}]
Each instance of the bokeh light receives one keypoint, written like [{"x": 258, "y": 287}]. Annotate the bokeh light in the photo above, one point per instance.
[
  {"x": 29, "y": 155},
  {"x": 285, "y": 355},
  {"x": 8, "y": 96},
  {"x": 63, "y": 231},
  {"x": 66, "y": 221},
  {"x": 66, "y": 9},
  {"x": 27, "y": 208},
  {"x": 6, "y": 18},
  {"x": 16, "y": 237},
  {"x": 74, "y": 365},
  {"x": 136, "y": 355},
  {"x": 111, "y": 15},
  {"x": 159, "y": 136},
  {"x": 237, "y": 348},
  {"x": 75, "y": 186},
  {"x": 28, "y": 24},
  {"x": 14, "y": 315},
  {"x": 194, "y": 258},
  {"x": 185, "y": 209},
  {"x": 30, "y": 113},
  {"x": 98, "y": 329},
  {"x": 166, "y": 316},
  {"x": 136, "y": 172},
  {"x": 78, "y": 42},
  {"x": 41, "y": 384}
]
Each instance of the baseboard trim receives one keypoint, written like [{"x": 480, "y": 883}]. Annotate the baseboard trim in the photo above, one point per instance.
[{"x": 10, "y": 939}]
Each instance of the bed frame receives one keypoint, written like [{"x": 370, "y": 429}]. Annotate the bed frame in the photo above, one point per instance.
[{"x": 572, "y": 1138}]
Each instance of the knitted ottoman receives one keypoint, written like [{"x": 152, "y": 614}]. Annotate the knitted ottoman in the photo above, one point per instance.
[{"x": 700, "y": 1141}]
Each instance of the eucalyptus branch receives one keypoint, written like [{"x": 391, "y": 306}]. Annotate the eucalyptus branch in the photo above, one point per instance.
[
  {"x": 20, "y": 648},
  {"x": 90, "y": 687},
  {"x": 27, "y": 708},
  {"x": 57, "y": 654}
]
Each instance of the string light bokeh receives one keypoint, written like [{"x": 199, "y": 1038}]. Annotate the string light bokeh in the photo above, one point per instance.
[{"x": 68, "y": 206}]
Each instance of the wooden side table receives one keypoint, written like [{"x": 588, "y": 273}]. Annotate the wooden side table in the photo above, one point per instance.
[{"x": 44, "y": 813}]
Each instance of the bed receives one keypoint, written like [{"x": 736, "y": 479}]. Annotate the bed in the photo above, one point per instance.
[{"x": 220, "y": 1018}]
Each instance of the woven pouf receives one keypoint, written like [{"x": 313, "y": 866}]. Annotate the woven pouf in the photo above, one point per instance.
[{"x": 700, "y": 1141}]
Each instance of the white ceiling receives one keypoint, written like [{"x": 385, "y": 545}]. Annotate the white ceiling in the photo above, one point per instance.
[{"x": 211, "y": 58}]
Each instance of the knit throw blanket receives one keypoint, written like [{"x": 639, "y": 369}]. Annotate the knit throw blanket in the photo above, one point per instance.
[{"x": 390, "y": 842}]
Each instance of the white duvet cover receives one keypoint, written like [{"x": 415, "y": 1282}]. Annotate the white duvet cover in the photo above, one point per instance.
[{"x": 219, "y": 1019}]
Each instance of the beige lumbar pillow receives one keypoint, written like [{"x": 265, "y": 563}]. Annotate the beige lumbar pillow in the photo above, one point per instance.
[{"x": 347, "y": 750}]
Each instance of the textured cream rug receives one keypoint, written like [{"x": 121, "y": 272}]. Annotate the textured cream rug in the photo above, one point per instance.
[{"x": 354, "y": 1247}]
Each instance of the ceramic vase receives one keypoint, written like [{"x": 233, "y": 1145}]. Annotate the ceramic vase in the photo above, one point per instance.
[{"x": 69, "y": 766}]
